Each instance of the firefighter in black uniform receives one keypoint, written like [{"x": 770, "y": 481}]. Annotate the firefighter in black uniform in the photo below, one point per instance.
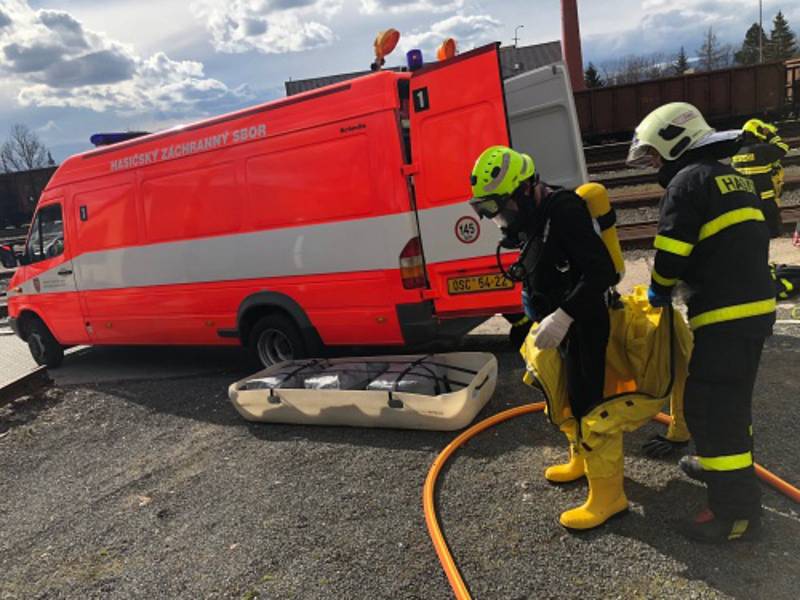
[
  {"x": 759, "y": 158},
  {"x": 712, "y": 236},
  {"x": 566, "y": 271}
]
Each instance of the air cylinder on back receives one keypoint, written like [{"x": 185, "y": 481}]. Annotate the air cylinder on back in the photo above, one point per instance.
[{"x": 596, "y": 197}]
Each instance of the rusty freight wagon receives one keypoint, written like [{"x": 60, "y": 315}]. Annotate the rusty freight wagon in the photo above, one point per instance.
[{"x": 726, "y": 97}]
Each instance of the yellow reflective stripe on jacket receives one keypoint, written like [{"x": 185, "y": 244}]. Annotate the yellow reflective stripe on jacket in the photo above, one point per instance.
[
  {"x": 673, "y": 246},
  {"x": 731, "y": 313},
  {"x": 744, "y": 158},
  {"x": 768, "y": 195},
  {"x": 663, "y": 280},
  {"x": 733, "y": 217},
  {"x": 754, "y": 170},
  {"x": 731, "y": 462}
]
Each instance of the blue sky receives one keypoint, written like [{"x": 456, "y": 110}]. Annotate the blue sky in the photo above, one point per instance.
[{"x": 69, "y": 68}]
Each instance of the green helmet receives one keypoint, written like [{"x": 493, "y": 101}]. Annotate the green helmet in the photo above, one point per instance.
[{"x": 499, "y": 170}]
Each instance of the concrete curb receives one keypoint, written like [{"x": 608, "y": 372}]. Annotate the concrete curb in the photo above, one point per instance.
[{"x": 26, "y": 384}]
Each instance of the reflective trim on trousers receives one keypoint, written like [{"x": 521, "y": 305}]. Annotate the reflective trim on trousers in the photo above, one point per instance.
[{"x": 732, "y": 462}]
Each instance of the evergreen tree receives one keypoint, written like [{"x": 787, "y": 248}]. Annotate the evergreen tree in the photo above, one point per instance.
[
  {"x": 782, "y": 40},
  {"x": 749, "y": 54},
  {"x": 681, "y": 64},
  {"x": 592, "y": 77}
]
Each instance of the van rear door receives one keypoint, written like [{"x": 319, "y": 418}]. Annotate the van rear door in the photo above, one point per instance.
[
  {"x": 457, "y": 110},
  {"x": 544, "y": 124}
]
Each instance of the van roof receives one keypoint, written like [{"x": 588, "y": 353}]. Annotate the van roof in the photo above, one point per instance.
[{"x": 330, "y": 104}]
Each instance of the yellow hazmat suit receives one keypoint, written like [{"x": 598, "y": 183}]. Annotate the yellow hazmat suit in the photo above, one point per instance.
[{"x": 646, "y": 363}]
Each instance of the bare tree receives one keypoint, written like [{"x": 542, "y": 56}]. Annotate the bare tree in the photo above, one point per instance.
[
  {"x": 634, "y": 68},
  {"x": 23, "y": 151},
  {"x": 712, "y": 54}
]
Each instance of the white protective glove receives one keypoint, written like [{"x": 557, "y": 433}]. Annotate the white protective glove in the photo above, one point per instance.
[{"x": 552, "y": 329}]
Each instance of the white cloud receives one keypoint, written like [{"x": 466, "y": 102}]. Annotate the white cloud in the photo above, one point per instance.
[
  {"x": 468, "y": 31},
  {"x": 666, "y": 25},
  {"x": 268, "y": 26},
  {"x": 374, "y": 7},
  {"x": 56, "y": 62}
]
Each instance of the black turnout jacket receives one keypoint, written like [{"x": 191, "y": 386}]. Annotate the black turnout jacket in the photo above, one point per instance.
[
  {"x": 571, "y": 267},
  {"x": 757, "y": 160},
  {"x": 712, "y": 236}
]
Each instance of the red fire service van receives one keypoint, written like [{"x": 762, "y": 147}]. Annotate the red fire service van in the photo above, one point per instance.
[{"x": 336, "y": 217}]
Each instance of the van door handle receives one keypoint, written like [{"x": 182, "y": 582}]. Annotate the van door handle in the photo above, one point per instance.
[{"x": 64, "y": 272}]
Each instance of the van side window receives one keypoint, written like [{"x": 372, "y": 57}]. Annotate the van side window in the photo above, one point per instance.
[{"x": 47, "y": 234}]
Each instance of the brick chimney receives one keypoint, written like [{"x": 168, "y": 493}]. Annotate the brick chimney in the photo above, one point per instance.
[{"x": 571, "y": 42}]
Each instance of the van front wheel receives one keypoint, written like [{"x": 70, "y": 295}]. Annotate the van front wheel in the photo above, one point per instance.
[
  {"x": 274, "y": 339},
  {"x": 44, "y": 348}
]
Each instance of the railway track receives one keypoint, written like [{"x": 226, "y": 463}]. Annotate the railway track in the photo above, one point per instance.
[
  {"x": 641, "y": 235},
  {"x": 606, "y": 156},
  {"x": 634, "y": 177},
  {"x": 651, "y": 198}
]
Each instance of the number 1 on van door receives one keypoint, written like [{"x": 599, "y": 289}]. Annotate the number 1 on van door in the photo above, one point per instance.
[{"x": 421, "y": 100}]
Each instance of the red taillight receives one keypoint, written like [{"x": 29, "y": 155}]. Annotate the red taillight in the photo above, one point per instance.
[{"x": 412, "y": 268}]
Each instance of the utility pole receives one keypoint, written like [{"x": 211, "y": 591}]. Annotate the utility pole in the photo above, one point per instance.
[
  {"x": 516, "y": 38},
  {"x": 760, "y": 33}
]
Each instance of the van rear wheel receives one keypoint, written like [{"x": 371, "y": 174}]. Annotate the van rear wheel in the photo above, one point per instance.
[
  {"x": 44, "y": 348},
  {"x": 274, "y": 339}
]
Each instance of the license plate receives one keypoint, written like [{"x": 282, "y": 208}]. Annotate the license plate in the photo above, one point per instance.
[{"x": 478, "y": 283}]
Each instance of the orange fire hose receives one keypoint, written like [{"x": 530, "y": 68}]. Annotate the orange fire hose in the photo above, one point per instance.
[{"x": 429, "y": 490}]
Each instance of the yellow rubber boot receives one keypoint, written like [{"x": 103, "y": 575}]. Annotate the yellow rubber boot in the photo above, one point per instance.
[
  {"x": 606, "y": 499},
  {"x": 604, "y": 470},
  {"x": 574, "y": 468}
]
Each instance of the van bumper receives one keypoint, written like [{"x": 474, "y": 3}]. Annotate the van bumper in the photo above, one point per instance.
[{"x": 420, "y": 325}]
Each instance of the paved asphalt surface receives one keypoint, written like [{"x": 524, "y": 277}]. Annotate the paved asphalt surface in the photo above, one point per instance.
[{"x": 158, "y": 489}]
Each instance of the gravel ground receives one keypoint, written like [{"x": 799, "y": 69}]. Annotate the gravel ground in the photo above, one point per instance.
[{"x": 160, "y": 490}]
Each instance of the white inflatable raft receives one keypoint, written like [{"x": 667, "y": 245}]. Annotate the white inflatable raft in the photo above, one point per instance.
[{"x": 440, "y": 392}]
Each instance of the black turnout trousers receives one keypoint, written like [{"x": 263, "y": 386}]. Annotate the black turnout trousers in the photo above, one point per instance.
[
  {"x": 584, "y": 355},
  {"x": 718, "y": 408}
]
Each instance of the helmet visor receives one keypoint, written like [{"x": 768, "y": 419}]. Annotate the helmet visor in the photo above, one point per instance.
[
  {"x": 489, "y": 207},
  {"x": 642, "y": 155}
]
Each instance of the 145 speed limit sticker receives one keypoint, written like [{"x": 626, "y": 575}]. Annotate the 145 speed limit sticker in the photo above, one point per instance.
[{"x": 467, "y": 230}]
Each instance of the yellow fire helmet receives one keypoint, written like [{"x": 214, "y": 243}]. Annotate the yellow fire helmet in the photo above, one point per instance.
[
  {"x": 670, "y": 130},
  {"x": 758, "y": 128},
  {"x": 499, "y": 170}
]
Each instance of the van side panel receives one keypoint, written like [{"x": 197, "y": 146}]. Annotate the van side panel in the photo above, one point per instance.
[
  {"x": 190, "y": 204},
  {"x": 313, "y": 220},
  {"x": 330, "y": 180}
]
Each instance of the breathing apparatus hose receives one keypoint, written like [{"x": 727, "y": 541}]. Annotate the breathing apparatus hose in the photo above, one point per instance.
[{"x": 457, "y": 583}]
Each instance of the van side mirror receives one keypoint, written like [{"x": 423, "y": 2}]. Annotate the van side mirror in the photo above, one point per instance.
[{"x": 7, "y": 257}]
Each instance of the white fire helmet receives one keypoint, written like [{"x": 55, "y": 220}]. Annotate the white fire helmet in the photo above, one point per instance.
[{"x": 669, "y": 130}]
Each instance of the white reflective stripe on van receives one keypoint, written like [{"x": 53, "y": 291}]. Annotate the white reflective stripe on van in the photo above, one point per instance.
[
  {"x": 344, "y": 246},
  {"x": 48, "y": 282}
]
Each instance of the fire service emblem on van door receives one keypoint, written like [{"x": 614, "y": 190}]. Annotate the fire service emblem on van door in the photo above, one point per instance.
[{"x": 468, "y": 230}]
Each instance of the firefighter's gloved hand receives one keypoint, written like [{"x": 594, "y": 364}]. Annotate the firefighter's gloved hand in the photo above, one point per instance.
[
  {"x": 553, "y": 329},
  {"x": 658, "y": 300},
  {"x": 659, "y": 446}
]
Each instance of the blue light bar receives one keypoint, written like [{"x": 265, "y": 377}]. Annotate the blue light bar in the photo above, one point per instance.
[
  {"x": 414, "y": 59},
  {"x": 106, "y": 139}
]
